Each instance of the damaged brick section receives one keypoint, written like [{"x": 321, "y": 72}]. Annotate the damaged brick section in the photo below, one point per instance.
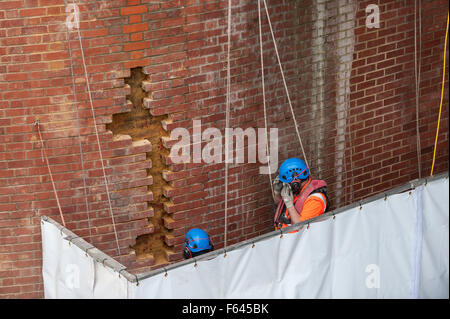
[{"x": 151, "y": 247}]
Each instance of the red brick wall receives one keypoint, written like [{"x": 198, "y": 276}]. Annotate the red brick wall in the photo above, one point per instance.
[
  {"x": 353, "y": 94},
  {"x": 383, "y": 107}
]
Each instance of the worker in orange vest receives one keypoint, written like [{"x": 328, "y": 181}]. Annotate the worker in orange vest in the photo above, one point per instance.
[{"x": 299, "y": 197}]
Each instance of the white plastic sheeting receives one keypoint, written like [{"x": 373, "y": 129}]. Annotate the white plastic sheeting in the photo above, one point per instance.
[
  {"x": 435, "y": 237},
  {"x": 69, "y": 272},
  {"x": 394, "y": 247}
]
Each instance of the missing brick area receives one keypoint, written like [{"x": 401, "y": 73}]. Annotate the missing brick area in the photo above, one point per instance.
[{"x": 140, "y": 124}]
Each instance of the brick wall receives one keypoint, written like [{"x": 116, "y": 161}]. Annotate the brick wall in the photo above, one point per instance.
[
  {"x": 154, "y": 66},
  {"x": 383, "y": 111}
]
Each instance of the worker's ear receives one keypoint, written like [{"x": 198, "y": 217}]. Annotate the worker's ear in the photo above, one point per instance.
[{"x": 187, "y": 253}]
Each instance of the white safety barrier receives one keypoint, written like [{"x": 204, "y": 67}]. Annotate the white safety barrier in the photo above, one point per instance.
[
  {"x": 71, "y": 272},
  {"x": 393, "y": 247}
]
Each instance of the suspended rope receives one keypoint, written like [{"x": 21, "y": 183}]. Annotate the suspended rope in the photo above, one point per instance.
[
  {"x": 417, "y": 79},
  {"x": 98, "y": 138},
  {"x": 442, "y": 98},
  {"x": 75, "y": 101},
  {"x": 285, "y": 85},
  {"x": 50, "y": 172},
  {"x": 264, "y": 94},
  {"x": 227, "y": 122}
]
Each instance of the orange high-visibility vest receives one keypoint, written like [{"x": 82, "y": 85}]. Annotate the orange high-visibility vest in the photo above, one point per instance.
[{"x": 299, "y": 202}]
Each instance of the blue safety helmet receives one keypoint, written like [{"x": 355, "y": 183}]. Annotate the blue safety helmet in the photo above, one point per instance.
[
  {"x": 293, "y": 168},
  {"x": 195, "y": 241}
]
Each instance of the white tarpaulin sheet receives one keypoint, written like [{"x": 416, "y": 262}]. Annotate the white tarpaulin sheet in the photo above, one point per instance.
[
  {"x": 69, "y": 272},
  {"x": 394, "y": 247}
]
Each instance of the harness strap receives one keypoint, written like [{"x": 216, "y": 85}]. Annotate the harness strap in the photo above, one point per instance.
[{"x": 306, "y": 191}]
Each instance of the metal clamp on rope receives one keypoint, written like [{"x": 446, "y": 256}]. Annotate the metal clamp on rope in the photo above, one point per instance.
[
  {"x": 137, "y": 280},
  {"x": 412, "y": 188},
  {"x": 86, "y": 250},
  {"x": 72, "y": 238},
  {"x": 281, "y": 232},
  {"x": 103, "y": 262},
  {"x": 122, "y": 270},
  {"x": 225, "y": 254},
  {"x": 195, "y": 260},
  {"x": 165, "y": 273}
]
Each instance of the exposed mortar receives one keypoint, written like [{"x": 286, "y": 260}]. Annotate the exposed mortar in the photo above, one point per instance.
[{"x": 140, "y": 124}]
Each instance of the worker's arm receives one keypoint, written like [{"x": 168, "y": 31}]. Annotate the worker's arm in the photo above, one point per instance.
[
  {"x": 295, "y": 216},
  {"x": 313, "y": 207},
  {"x": 288, "y": 198}
]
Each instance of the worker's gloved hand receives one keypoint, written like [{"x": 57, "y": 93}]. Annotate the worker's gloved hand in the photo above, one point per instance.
[
  {"x": 288, "y": 197},
  {"x": 277, "y": 185}
]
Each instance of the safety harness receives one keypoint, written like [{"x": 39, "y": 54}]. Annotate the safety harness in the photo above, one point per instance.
[{"x": 312, "y": 188}]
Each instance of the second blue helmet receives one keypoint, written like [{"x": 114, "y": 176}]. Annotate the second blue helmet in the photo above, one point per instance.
[{"x": 197, "y": 240}]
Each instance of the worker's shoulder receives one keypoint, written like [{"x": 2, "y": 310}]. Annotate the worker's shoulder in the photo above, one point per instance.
[
  {"x": 321, "y": 190},
  {"x": 316, "y": 196}
]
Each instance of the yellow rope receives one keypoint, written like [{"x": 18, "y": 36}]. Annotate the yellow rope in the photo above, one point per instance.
[{"x": 442, "y": 97}]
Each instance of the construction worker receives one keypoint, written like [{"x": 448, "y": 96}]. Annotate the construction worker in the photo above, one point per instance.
[
  {"x": 298, "y": 196},
  {"x": 196, "y": 242}
]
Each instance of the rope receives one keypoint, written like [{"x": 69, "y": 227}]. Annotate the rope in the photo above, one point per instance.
[
  {"x": 98, "y": 139},
  {"x": 264, "y": 94},
  {"x": 442, "y": 98},
  {"x": 284, "y": 82},
  {"x": 417, "y": 79},
  {"x": 50, "y": 173},
  {"x": 227, "y": 122},
  {"x": 78, "y": 130}
]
